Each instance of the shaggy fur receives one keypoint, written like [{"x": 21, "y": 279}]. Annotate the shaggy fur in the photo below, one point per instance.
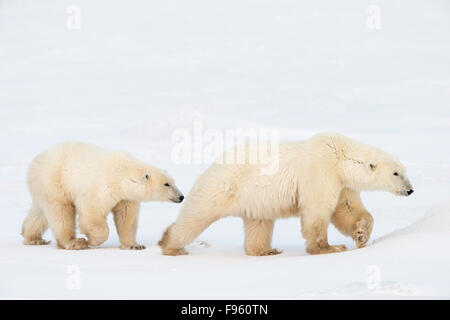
[
  {"x": 76, "y": 178},
  {"x": 318, "y": 180}
]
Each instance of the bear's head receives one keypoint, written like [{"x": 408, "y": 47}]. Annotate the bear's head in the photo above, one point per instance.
[
  {"x": 375, "y": 170},
  {"x": 147, "y": 183}
]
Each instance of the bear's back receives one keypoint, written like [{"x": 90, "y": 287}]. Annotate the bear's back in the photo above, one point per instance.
[{"x": 65, "y": 168}]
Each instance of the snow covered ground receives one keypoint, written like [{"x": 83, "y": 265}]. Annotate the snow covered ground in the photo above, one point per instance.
[{"x": 136, "y": 71}]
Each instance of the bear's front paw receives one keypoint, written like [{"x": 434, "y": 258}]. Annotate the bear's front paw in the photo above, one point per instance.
[
  {"x": 98, "y": 235},
  {"x": 76, "y": 244},
  {"x": 273, "y": 252},
  {"x": 326, "y": 249},
  {"x": 133, "y": 247},
  {"x": 174, "y": 252},
  {"x": 360, "y": 238},
  {"x": 361, "y": 234},
  {"x": 338, "y": 248}
]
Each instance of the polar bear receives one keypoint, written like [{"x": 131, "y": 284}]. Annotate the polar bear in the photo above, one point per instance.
[
  {"x": 77, "y": 178},
  {"x": 318, "y": 180}
]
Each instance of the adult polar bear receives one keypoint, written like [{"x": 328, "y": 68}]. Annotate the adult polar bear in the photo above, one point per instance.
[
  {"x": 77, "y": 178},
  {"x": 318, "y": 180}
]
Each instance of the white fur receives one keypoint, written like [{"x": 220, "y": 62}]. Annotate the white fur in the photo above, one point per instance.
[
  {"x": 314, "y": 176},
  {"x": 91, "y": 182}
]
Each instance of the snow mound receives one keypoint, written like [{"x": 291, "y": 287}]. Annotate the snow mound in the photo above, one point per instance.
[{"x": 436, "y": 220}]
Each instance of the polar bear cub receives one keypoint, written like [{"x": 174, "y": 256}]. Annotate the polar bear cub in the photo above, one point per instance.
[
  {"x": 77, "y": 178},
  {"x": 318, "y": 180}
]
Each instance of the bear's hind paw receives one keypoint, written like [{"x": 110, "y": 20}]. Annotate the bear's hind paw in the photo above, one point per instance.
[
  {"x": 38, "y": 242},
  {"x": 268, "y": 252}
]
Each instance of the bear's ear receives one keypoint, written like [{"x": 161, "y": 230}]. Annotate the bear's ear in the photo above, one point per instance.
[{"x": 372, "y": 166}]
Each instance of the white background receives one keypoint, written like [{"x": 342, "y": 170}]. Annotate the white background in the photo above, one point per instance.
[{"x": 136, "y": 71}]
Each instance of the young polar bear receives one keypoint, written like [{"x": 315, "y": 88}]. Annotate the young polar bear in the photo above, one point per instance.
[
  {"x": 79, "y": 178},
  {"x": 318, "y": 180}
]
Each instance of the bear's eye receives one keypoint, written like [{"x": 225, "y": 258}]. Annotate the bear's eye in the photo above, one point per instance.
[
  {"x": 395, "y": 173},
  {"x": 167, "y": 185}
]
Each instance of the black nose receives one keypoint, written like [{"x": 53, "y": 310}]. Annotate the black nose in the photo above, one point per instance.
[
  {"x": 410, "y": 191},
  {"x": 181, "y": 198}
]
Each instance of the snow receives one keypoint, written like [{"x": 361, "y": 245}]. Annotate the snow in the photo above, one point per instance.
[{"x": 137, "y": 71}]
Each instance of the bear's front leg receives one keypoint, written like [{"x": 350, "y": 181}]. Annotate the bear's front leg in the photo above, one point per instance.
[
  {"x": 126, "y": 215},
  {"x": 93, "y": 224},
  {"x": 258, "y": 237},
  {"x": 363, "y": 230},
  {"x": 315, "y": 231},
  {"x": 96, "y": 230},
  {"x": 352, "y": 219}
]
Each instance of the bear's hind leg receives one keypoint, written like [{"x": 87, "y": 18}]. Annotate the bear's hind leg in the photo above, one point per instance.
[
  {"x": 169, "y": 246},
  {"x": 126, "y": 219},
  {"x": 34, "y": 226},
  {"x": 61, "y": 218},
  {"x": 258, "y": 237},
  {"x": 188, "y": 226},
  {"x": 352, "y": 219}
]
